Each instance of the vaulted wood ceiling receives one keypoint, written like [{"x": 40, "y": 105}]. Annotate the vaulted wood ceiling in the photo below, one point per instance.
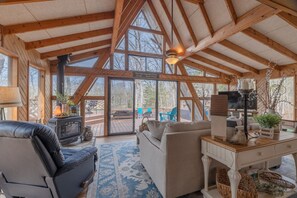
[{"x": 228, "y": 36}]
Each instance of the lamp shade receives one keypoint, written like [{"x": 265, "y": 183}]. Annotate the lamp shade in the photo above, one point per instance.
[
  {"x": 10, "y": 97},
  {"x": 171, "y": 55}
]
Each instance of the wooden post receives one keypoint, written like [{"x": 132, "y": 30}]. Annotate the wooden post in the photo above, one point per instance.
[
  {"x": 106, "y": 117},
  {"x": 1, "y": 36}
]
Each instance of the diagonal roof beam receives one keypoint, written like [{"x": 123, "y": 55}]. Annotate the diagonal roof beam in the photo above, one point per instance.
[
  {"x": 11, "y": 2},
  {"x": 246, "y": 53},
  {"x": 231, "y": 10},
  {"x": 74, "y": 49},
  {"x": 168, "y": 15},
  {"x": 289, "y": 6},
  {"x": 84, "y": 56},
  {"x": 187, "y": 22},
  {"x": 116, "y": 23},
  {"x": 206, "y": 18},
  {"x": 270, "y": 43},
  {"x": 216, "y": 64},
  {"x": 290, "y": 19},
  {"x": 53, "y": 23},
  {"x": 230, "y": 60},
  {"x": 195, "y": 1},
  {"x": 253, "y": 16},
  {"x": 67, "y": 38}
]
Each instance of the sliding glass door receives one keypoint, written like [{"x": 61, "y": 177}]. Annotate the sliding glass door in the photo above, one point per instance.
[{"x": 121, "y": 106}]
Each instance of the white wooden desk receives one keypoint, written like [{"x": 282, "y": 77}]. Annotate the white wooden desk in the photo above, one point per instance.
[{"x": 240, "y": 156}]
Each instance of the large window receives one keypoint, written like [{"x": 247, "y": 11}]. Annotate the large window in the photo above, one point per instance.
[
  {"x": 71, "y": 83},
  {"x": 36, "y": 95},
  {"x": 5, "y": 70},
  {"x": 204, "y": 91},
  {"x": 140, "y": 63},
  {"x": 286, "y": 107}
]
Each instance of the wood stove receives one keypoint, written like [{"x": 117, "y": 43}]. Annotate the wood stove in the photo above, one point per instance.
[{"x": 68, "y": 129}]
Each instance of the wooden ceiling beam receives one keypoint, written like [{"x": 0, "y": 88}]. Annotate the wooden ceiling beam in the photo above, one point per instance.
[
  {"x": 88, "y": 81},
  {"x": 230, "y": 60},
  {"x": 290, "y": 19},
  {"x": 289, "y": 6},
  {"x": 12, "y": 2},
  {"x": 168, "y": 15},
  {"x": 116, "y": 23},
  {"x": 206, "y": 18},
  {"x": 202, "y": 67},
  {"x": 215, "y": 64},
  {"x": 187, "y": 22},
  {"x": 231, "y": 10},
  {"x": 270, "y": 43},
  {"x": 83, "y": 56},
  {"x": 67, "y": 38},
  {"x": 246, "y": 53},
  {"x": 253, "y": 16},
  {"x": 75, "y": 49},
  {"x": 195, "y": 1},
  {"x": 159, "y": 22},
  {"x": 53, "y": 23}
]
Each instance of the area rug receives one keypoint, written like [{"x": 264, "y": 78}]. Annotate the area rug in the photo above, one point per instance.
[{"x": 120, "y": 173}]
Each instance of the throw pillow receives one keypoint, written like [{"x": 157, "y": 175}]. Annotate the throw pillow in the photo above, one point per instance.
[
  {"x": 156, "y": 128},
  {"x": 187, "y": 126}
]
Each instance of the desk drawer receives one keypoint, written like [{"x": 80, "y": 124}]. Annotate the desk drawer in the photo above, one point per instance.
[
  {"x": 247, "y": 157},
  {"x": 286, "y": 147}
]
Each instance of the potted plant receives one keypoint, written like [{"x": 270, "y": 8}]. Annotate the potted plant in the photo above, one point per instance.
[
  {"x": 63, "y": 100},
  {"x": 269, "y": 123}
]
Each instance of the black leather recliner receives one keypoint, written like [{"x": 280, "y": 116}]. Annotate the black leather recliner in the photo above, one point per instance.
[{"x": 32, "y": 163}]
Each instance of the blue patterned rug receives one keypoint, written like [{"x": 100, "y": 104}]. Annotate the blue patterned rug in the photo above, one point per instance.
[{"x": 120, "y": 173}]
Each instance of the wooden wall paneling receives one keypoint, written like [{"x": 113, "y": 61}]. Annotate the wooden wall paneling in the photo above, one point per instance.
[
  {"x": 270, "y": 43},
  {"x": 53, "y": 23},
  {"x": 17, "y": 47},
  {"x": 253, "y": 16}
]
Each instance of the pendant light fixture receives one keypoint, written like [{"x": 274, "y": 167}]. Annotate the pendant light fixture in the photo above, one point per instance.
[{"x": 171, "y": 54}]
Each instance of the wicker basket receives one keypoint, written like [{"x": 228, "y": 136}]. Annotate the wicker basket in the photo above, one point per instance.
[
  {"x": 246, "y": 188},
  {"x": 143, "y": 125}
]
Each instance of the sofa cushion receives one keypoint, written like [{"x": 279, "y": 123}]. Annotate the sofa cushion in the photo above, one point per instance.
[
  {"x": 187, "y": 126},
  {"x": 151, "y": 139},
  {"x": 156, "y": 128}
]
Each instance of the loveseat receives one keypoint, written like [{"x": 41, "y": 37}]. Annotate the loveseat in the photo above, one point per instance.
[{"x": 174, "y": 162}]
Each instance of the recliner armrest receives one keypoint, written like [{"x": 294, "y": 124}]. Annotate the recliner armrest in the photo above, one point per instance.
[{"x": 77, "y": 158}]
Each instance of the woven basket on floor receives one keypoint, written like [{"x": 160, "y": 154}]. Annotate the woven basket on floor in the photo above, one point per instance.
[{"x": 246, "y": 188}]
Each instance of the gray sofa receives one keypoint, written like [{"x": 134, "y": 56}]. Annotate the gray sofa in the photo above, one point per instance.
[
  {"x": 32, "y": 164},
  {"x": 174, "y": 163}
]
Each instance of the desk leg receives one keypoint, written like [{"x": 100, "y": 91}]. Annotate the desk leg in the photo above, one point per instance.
[
  {"x": 295, "y": 159},
  {"x": 234, "y": 177},
  {"x": 206, "y": 164}
]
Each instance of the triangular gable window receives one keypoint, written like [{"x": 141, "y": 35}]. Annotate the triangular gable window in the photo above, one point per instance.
[
  {"x": 141, "y": 21},
  {"x": 121, "y": 45},
  {"x": 97, "y": 89},
  {"x": 70, "y": 86},
  {"x": 107, "y": 65},
  {"x": 211, "y": 75},
  {"x": 89, "y": 63},
  {"x": 194, "y": 72}
]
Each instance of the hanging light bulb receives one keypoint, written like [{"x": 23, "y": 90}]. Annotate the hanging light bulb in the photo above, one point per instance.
[{"x": 171, "y": 54}]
